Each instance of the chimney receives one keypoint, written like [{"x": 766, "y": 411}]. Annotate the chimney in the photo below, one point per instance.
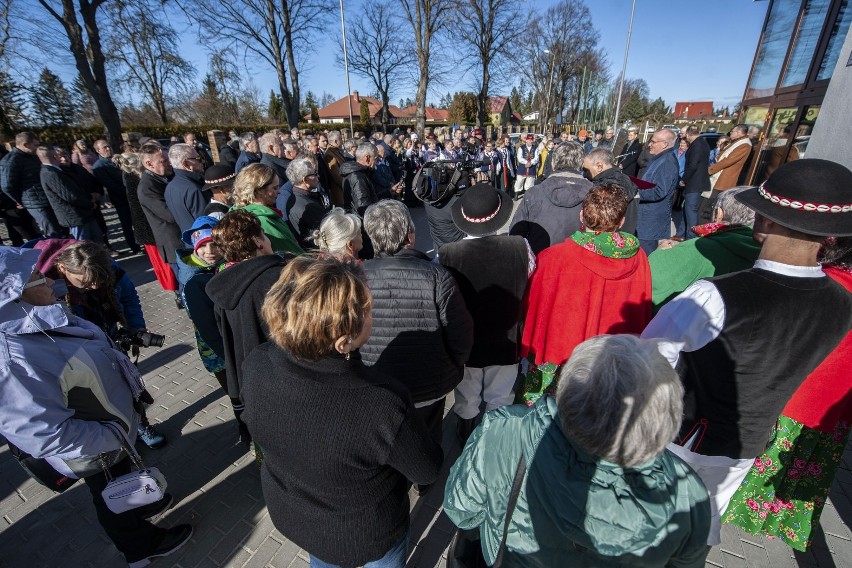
[{"x": 357, "y": 98}]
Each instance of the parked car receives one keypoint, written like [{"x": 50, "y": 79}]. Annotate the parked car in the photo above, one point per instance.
[{"x": 712, "y": 138}]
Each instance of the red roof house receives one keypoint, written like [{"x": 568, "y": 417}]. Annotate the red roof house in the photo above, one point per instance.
[{"x": 693, "y": 109}]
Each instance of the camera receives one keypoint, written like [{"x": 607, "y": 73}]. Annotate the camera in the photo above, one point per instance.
[
  {"x": 125, "y": 339},
  {"x": 439, "y": 179}
]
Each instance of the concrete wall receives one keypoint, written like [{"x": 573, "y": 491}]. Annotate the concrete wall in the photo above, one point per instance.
[{"x": 832, "y": 135}]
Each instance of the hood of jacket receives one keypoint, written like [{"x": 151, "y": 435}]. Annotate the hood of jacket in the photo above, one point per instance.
[
  {"x": 227, "y": 288},
  {"x": 565, "y": 188},
  {"x": 608, "y": 268},
  {"x": 737, "y": 241},
  {"x": 187, "y": 270},
  {"x": 586, "y": 503},
  {"x": 48, "y": 249},
  {"x": 347, "y": 168},
  {"x": 17, "y": 316},
  {"x": 259, "y": 210}
]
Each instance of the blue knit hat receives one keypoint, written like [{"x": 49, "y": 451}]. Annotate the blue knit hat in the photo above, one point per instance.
[{"x": 201, "y": 231}]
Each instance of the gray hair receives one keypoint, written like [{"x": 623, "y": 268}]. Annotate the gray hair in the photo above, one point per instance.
[
  {"x": 350, "y": 145},
  {"x": 619, "y": 399},
  {"x": 245, "y": 138},
  {"x": 333, "y": 136},
  {"x": 567, "y": 156},
  {"x": 633, "y": 129},
  {"x": 602, "y": 155},
  {"x": 299, "y": 169},
  {"x": 267, "y": 140},
  {"x": 178, "y": 153},
  {"x": 388, "y": 224},
  {"x": 364, "y": 150},
  {"x": 290, "y": 145},
  {"x": 734, "y": 212},
  {"x": 336, "y": 230}
]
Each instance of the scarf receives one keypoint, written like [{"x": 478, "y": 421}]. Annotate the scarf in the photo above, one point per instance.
[{"x": 610, "y": 245}]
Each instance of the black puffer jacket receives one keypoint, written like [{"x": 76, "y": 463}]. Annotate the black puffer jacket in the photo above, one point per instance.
[
  {"x": 618, "y": 177},
  {"x": 422, "y": 330},
  {"x": 71, "y": 204},
  {"x": 20, "y": 176},
  {"x": 550, "y": 211},
  {"x": 358, "y": 190},
  {"x": 306, "y": 209}
]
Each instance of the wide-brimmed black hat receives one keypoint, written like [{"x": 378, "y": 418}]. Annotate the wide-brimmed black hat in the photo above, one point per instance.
[
  {"x": 481, "y": 210},
  {"x": 218, "y": 175},
  {"x": 811, "y": 196}
]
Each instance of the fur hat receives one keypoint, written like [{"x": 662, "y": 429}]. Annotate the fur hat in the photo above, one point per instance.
[{"x": 811, "y": 196}]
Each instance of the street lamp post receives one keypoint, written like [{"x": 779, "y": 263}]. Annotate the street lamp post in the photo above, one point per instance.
[
  {"x": 346, "y": 65},
  {"x": 623, "y": 68}
]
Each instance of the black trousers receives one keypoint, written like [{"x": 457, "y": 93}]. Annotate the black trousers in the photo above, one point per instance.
[
  {"x": 19, "y": 225},
  {"x": 432, "y": 416},
  {"x": 132, "y": 535}
]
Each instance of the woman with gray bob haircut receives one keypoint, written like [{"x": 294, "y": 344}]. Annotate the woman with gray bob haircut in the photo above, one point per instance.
[
  {"x": 600, "y": 486},
  {"x": 567, "y": 156},
  {"x": 389, "y": 226},
  {"x": 339, "y": 234},
  {"x": 729, "y": 211}
]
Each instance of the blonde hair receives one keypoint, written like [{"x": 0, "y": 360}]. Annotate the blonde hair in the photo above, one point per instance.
[
  {"x": 250, "y": 179},
  {"x": 336, "y": 230},
  {"x": 331, "y": 291}
]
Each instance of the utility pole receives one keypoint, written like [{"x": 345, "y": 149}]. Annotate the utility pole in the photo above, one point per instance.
[{"x": 623, "y": 67}]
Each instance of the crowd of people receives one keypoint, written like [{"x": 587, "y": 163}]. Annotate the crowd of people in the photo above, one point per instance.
[{"x": 645, "y": 384}]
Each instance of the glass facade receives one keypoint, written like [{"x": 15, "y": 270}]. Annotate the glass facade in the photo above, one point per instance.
[
  {"x": 773, "y": 48},
  {"x": 805, "y": 42},
  {"x": 835, "y": 41}
]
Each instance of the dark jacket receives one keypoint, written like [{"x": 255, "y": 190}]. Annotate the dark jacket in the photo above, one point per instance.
[
  {"x": 228, "y": 156},
  {"x": 20, "y": 178},
  {"x": 277, "y": 164},
  {"x": 358, "y": 190},
  {"x": 245, "y": 159},
  {"x": 655, "y": 205},
  {"x": 492, "y": 274},
  {"x": 141, "y": 227},
  {"x": 109, "y": 176},
  {"x": 151, "y": 192},
  {"x": 185, "y": 198},
  {"x": 71, "y": 203},
  {"x": 550, "y": 211},
  {"x": 695, "y": 176},
  {"x": 629, "y": 160},
  {"x": 618, "y": 177},
  {"x": 305, "y": 210},
  {"x": 238, "y": 293},
  {"x": 442, "y": 228},
  {"x": 419, "y": 315},
  {"x": 199, "y": 306},
  {"x": 642, "y": 162},
  {"x": 340, "y": 442}
]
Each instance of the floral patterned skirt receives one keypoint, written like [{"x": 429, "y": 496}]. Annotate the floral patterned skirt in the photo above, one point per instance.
[
  {"x": 785, "y": 491},
  {"x": 538, "y": 381}
]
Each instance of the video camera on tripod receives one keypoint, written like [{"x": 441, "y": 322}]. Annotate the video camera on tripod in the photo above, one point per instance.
[{"x": 439, "y": 179}]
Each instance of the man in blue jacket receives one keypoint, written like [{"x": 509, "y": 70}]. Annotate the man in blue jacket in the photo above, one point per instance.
[
  {"x": 184, "y": 195},
  {"x": 655, "y": 203},
  {"x": 109, "y": 174}
]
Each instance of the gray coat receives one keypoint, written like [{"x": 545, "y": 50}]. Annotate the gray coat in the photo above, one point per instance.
[{"x": 71, "y": 203}]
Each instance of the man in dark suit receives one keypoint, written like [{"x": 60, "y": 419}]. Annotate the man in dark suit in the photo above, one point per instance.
[
  {"x": 627, "y": 158},
  {"x": 695, "y": 179}
]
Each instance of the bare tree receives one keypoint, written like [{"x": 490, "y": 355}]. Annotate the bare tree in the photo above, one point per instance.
[
  {"x": 268, "y": 29},
  {"x": 143, "y": 51},
  {"x": 85, "y": 46},
  {"x": 495, "y": 27},
  {"x": 550, "y": 58},
  {"x": 5, "y": 28},
  {"x": 376, "y": 53},
  {"x": 427, "y": 19}
]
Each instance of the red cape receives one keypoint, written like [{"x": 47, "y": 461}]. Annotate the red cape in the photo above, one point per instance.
[
  {"x": 576, "y": 294},
  {"x": 826, "y": 395}
]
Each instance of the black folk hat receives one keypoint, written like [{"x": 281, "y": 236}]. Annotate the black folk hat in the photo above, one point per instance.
[
  {"x": 481, "y": 210},
  {"x": 218, "y": 175},
  {"x": 811, "y": 196}
]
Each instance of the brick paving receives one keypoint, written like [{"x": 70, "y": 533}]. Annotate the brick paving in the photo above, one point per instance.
[{"x": 217, "y": 487}]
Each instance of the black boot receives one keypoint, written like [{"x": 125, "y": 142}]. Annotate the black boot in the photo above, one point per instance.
[{"x": 464, "y": 428}]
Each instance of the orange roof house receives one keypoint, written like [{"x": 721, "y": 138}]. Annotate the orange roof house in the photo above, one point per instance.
[
  {"x": 693, "y": 109},
  {"x": 338, "y": 111}
]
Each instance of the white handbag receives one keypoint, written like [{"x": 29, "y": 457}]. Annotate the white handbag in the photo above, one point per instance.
[{"x": 135, "y": 489}]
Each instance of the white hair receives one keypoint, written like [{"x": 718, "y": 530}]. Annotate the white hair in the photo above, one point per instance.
[
  {"x": 336, "y": 231},
  {"x": 178, "y": 153},
  {"x": 365, "y": 149},
  {"x": 299, "y": 169},
  {"x": 734, "y": 212},
  {"x": 388, "y": 223},
  {"x": 619, "y": 399}
]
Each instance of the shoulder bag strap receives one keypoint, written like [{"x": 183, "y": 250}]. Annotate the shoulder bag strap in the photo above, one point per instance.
[
  {"x": 126, "y": 444},
  {"x": 510, "y": 509}
]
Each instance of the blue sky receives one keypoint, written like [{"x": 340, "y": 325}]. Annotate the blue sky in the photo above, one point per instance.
[{"x": 685, "y": 49}]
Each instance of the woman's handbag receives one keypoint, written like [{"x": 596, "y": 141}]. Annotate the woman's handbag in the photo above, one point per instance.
[
  {"x": 466, "y": 548},
  {"x": 135, "y": 489}
]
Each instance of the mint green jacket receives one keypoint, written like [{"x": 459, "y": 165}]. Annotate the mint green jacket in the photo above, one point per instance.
[{"x": 573, "y": 509}]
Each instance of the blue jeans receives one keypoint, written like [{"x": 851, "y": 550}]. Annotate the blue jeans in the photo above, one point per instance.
[
  {"x": 88, "y": 232},
  {"x": 649, "y": 245},
  {"x": 46, "y": 222},
  {"x": 690, "y": 212},
  {"x": 393, "y": 558}
]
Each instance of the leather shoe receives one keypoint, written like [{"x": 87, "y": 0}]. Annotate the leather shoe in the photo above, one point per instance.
[
  {"x": 465, "y": 428},
  {"x": 173, "y": 539}
]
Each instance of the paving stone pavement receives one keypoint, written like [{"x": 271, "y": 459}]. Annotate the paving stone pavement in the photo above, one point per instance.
[{"x": 217, "y": 488}]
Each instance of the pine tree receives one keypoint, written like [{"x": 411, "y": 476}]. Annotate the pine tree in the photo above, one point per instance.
[
  {"x": 315, "y": 114},
  {"x": 274, "y": 112},
  {"x": 12, "y": 102},
  {"x": 515, "y": 99},
  {"x": 635, "y": 109},
  {"x": 51, "y": 101},
  {"x": 365, "y": 112}
]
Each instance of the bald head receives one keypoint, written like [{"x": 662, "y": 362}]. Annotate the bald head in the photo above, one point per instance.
[{"x": 661, "y": 141}]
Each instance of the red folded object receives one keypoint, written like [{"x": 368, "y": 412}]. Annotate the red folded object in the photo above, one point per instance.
[{"x": 641, "y": 183}]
